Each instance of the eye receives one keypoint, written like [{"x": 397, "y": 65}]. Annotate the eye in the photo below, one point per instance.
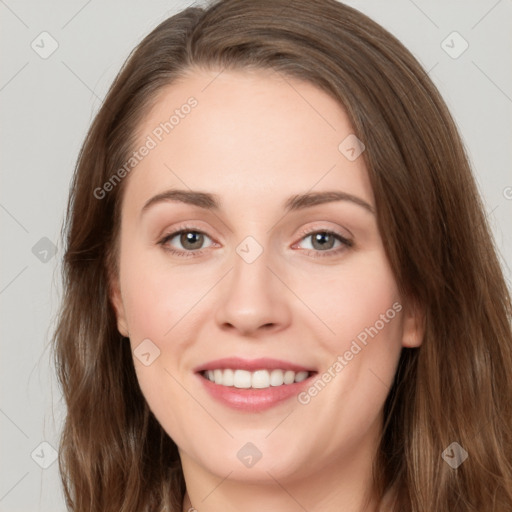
[
  {"x": 323, "y": 241},
  {"x": 190, "y": 239}
]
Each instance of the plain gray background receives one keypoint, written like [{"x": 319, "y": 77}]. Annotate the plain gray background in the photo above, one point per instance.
[{"x": 48, "y": 103}]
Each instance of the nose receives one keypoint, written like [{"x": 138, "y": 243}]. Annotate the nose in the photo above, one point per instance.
[{"x": 253, "y": 298}]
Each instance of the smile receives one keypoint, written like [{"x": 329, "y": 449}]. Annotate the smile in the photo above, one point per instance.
[
  {"x": 259, "y": 379},
  {"x": 253, "y": 385}
]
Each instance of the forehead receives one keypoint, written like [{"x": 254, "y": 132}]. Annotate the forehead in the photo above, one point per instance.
[{"x": 244, "y": 135}]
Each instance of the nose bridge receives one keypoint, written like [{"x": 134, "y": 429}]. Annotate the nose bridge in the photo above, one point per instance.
[
  {"x": 251, "y": 276},
  {"x": 252, "y": 297}
]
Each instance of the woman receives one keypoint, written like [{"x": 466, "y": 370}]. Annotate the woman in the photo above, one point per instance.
[{"x": 337, "y": 336}]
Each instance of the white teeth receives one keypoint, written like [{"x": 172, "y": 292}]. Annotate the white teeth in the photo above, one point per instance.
[
  {"x": 289, "y": 377},
  {"x": 228, "y": 378},
  {"x": 241, "y": 379},
  {"x": 258, "y": 379},
  {"x": 300, "y": 376},
  {"x": 276, "y": 378}
]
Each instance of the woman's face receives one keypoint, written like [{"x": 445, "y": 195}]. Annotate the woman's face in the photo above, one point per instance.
[{"x": 273, "y": 276}]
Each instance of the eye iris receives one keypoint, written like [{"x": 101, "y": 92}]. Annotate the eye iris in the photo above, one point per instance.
[
  {"x": 320, "y": 238},
  {"x": 191, "y": 237}
]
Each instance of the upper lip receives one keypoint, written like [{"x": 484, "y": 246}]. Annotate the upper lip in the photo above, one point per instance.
[{"x": 263, "y": 363}]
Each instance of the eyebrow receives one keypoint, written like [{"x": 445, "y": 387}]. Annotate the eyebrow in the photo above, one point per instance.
[{"x": 294, "y": 203}]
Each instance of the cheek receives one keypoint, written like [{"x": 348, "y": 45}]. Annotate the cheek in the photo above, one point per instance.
[
  {"x": 357, "y": 298},
  {"x": 363, "y": 354},
  {"x": 155, "y": 298},
  {"x": 167, "y": 398},
  {"x": 364, "y": 335}
]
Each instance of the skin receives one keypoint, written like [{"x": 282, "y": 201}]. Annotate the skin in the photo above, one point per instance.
[{"x": 255, "y": 139}]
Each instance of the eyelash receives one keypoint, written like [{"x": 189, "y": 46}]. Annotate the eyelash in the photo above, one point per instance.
[{"x": 347, "y": 243}]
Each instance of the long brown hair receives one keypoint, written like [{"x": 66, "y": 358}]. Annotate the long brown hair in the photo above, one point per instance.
[{"x": 456, "y": 387}]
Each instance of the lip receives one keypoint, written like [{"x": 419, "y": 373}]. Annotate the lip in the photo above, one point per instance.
[
  {"x": 249, "y": 399},
  {"x": 253, "y": 400},
  {"x": 262, "y": 363}
]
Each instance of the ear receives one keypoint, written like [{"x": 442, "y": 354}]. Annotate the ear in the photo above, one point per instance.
[
  {"x": 117, "y": 303},
  {"x": 413, "y": 324}
]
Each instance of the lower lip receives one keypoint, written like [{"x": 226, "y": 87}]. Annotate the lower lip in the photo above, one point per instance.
[{"x": 250, "y": 399}]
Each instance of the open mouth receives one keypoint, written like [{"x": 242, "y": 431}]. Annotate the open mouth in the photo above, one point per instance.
[
  {"x": 253, "y": 385},
  {"x": 259, "y": 379}
]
